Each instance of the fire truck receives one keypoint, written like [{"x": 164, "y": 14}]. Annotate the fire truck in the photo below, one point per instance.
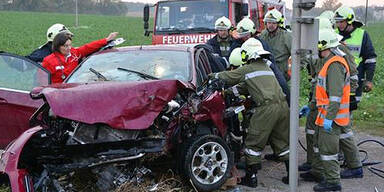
[{"x": 192, "y": 21}]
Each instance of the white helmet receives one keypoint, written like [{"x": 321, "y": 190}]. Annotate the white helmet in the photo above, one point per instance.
[
  {"x": 235, "y": 58},
  {"x": 245, "y": 26},
  {"x": 345, "y": 13},
  {"x": 329, "y": 15},
  {"x": 274, "y": 16},
  {"x": 222, "y": 23},
  {"x": 328, "y": 38},
  {"x": 324, "y": 23},
  {"x": 252, "y": 49},
  {"x": 56, "y": 29}
]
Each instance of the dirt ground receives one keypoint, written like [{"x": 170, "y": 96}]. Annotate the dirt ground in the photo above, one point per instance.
[{"x": 269, "y": 178}]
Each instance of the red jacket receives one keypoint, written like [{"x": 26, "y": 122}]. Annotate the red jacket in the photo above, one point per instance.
[{"x": 60, "y": 66}]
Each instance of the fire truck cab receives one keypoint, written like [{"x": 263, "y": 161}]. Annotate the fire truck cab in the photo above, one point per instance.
[{"x": 192, "y": 21}]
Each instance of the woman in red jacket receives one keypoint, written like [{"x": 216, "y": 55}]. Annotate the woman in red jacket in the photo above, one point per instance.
[{"x": 65, "y": 58}]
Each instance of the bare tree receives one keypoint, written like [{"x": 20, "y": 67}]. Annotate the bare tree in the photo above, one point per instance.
[{"x": 331, "y": 5}]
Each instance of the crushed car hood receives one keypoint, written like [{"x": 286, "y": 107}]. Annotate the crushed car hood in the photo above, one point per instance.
[{"x": 121, "y": 105}]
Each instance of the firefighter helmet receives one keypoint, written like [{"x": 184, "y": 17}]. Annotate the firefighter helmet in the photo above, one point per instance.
[
  {"x": 235, "y": 58},
  {"x": 252, "y": 49},
  {"x": 245, "y": 26},
  {"x": 329, "y": 15},
  {"x": 328, "y": 38},
  {"x": 222, "y": 23},
  {"x": 345, "y": 13},
  {"x": 55, "y": 29},
  {"x": 274, "y": 16}
]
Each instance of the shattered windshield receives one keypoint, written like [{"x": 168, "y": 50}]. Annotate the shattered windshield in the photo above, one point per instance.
[
  {"x": 134, "y": 66},
  {"x": 182, "y": 16}
]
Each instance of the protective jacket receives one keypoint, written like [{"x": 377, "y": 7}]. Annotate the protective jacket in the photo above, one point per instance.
[
  {"x": 61, "y": 66},
  {"x": 330, "y": 96},
  {"x": 39, "y": 54}
]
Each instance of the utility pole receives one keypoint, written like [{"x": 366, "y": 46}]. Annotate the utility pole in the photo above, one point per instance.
[
  {"x": 366, "y": 12},
  {"x": 77, "y": 15},
  {"x": 304, "y": 42}
]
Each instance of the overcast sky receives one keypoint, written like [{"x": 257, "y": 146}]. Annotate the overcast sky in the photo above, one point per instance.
[{"x": 318, "y": 2}]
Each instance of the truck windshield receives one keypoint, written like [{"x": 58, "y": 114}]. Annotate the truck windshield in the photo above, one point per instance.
[{"x": 189, "y": 16}]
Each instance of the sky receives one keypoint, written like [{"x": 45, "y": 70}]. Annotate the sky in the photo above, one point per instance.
[{"x": 318, "y": 2}]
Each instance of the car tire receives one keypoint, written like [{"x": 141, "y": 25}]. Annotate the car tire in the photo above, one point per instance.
[{"x": 207, "y": 162}]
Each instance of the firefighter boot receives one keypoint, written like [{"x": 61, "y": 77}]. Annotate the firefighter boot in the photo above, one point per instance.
[
  {"x": 324, "y": 186},
  {"x": 286, "y": 178},
  {"x": 352, "y": 173},
  {"x": 250, "y": 178},
  {"x": 305, "y": 167}
]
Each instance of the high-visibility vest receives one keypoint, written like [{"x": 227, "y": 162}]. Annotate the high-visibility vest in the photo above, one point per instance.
[
  {"x": 322, "y": 99},
  {"x": 354, "y": 44}
]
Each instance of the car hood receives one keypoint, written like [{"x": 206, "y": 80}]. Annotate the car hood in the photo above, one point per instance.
[{"x": 121, "y": 105}]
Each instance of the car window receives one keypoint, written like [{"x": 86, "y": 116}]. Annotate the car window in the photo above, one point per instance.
[
  {"x": 164, "y": 64},
  {"x": 19, "y": 73}
]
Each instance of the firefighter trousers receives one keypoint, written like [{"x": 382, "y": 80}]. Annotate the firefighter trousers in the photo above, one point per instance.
[{"x": 269, "y": 123}]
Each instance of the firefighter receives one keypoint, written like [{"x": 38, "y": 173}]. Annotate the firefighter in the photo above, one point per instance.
[
  {"x": 347, "y": 142},
  {"x": 246, "y": 29},
  {"x": 39, "y": 54},
  {"x": 270, "y": 121},
  {"x": 360, "y": 45},
  {"x": 332, "y": 101},
  {"x": 222, "y": 41},
  {"x": 278, "y": 38}
]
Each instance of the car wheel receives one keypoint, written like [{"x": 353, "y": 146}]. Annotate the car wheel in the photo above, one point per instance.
[{"x": 208, "y": 162}]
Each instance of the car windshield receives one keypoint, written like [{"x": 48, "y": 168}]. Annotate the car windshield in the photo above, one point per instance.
[
  {"x": 182, "y": 16},
  {"x": 134, "y": 66}
]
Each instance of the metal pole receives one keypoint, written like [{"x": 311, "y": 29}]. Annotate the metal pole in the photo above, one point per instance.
[
  {"x": 294, "y": 109},
  {"x": 366, "y": 12},
  {"x": 77, "y": 16}
]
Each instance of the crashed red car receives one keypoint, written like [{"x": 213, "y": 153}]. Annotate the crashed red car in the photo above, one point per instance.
[{"x": 120, "y": 105}]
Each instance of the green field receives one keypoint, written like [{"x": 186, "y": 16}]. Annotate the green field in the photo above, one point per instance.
[{"x": 22, "y": 32}]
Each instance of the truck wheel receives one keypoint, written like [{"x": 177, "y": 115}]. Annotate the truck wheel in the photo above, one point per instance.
[{"x": 208, "y": 162}]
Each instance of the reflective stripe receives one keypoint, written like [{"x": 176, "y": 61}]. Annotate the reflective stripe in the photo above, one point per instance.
[
  {"x": 61, "y": 67},
  {"x": 335, "y": 99},
  {"x": 259, "y": 73},
  {"x": 252, "y": 152},
  {"x": 321, "y": 81},
  {"x": 235, "y": 91},
  {"x": 372, "y": 60},
  {"x": 344, "y": 106},
  {"x": 216, "y": 75},
  {"x": 284, "y": 153},
  {"x": 338, "y": 116},
  {"x": 226, "y": 62},
  {"x": 268, "y": 62},
  {"x": 315, "y": 149},
  {"x": 346, "y": 135},
  {"x": 329, "y": 157},
  {"x": 310, "y": 131},
  {"x": 355, "y": 77}
]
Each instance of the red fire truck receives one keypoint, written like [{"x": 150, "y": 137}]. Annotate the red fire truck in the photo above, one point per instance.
[{"x": 192, "y": 21}]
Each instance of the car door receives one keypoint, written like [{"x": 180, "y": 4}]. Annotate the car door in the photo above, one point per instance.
[{"x": 18, "y": 76}]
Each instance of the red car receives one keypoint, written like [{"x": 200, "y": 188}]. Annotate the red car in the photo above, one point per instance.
[{"x": 117, "y": 106}]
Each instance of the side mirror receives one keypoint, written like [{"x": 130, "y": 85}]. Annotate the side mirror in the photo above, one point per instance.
[
  {"x": 244, "y": 9},
  {"x": 146, "y": 19}
]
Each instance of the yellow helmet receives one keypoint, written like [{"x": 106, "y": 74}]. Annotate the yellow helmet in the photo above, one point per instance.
[
  {"x": 222, "y": 23},
  {"x": 252, "y": 49},
  {"x": 245, "y": 26},
  {"x": 345, "y": 13},
  {"x": 274, "y": 16},
  {"x": 328, "y": 38},
  {"x": 56, "y": 29},
  {"x": 235, "y": 58}
]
